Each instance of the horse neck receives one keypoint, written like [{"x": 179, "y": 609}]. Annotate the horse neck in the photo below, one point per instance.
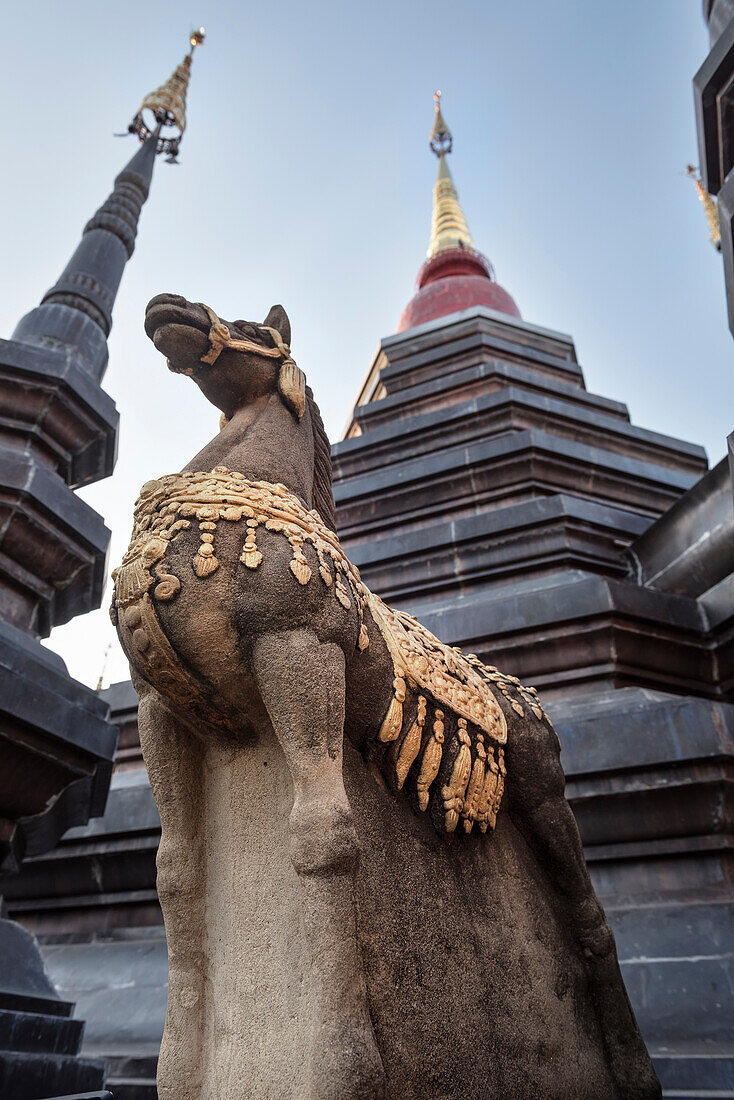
[{"x": 265, "y": 442}]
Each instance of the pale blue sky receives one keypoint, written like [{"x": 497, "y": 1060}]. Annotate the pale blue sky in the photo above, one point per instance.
[{"x": 306, "y": 178}]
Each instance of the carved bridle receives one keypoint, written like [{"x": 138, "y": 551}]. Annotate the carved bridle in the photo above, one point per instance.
[{"x": 291, "y": 379}]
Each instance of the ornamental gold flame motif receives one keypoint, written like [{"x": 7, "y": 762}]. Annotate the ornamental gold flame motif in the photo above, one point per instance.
[
  {"x": 432, "y": 674},
  {"x": 442, "y": 140}
]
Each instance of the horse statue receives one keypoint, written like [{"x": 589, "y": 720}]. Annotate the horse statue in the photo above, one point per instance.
[{"x": 371, "y": 881}]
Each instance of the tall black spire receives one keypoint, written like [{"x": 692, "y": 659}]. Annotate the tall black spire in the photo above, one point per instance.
[{"x": 76, "y": 313}]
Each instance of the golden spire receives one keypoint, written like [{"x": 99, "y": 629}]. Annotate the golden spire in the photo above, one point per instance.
[
  {"x": 167, "y": 105},
  {"x": 710, "y": 207},
  {"x": 448, "y": 225}
]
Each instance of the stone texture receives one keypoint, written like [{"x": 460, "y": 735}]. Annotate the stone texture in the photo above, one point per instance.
[
  {"x": 673, "y": 930},
  {"x": 323, "y": 938},
  {"x": 539, "y": 580},
  {"x": 579, "y": 617},
  {"x": 464, "y": 948}
]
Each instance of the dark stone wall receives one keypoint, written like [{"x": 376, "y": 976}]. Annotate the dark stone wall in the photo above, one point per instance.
[{"x": 482, "y": 488}]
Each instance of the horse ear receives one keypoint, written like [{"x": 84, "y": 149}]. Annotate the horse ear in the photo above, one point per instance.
[{"x": 278, "y": 319}]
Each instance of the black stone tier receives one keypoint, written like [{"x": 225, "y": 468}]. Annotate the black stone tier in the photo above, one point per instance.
[
  {"x": 482, "y": 488},
  {"x": 39, "y": 1041}
]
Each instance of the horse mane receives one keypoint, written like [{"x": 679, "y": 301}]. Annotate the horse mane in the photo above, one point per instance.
[{"x": 323, "y": 498}]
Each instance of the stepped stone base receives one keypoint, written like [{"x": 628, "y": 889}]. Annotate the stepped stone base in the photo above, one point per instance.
[
  {"x": 39, "y": 1042},
  {"x": 133, "y": 1077}
]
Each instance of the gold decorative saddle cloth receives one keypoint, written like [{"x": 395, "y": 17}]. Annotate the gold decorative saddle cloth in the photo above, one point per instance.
[{"x": 458, "y": 682}]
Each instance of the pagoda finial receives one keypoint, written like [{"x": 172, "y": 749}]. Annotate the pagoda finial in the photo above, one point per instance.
[
  {"x": 448, "y": 226},
  {"x": 441, "y": 138},
  {"x": 76, "y": 313},
  {"x": 455, "y": 276},
  {"x": 165, "y": 108}
]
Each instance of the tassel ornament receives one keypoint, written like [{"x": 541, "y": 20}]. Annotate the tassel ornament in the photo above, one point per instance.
[
  {"x": 431, "y": 761},
  {"x": 251, "y": 556},
  {"x": 324, "y": 570},
  {"x": 500, "y": 787},
  {"x": 411, "y": 746},
  {"x": 341, "y": 593},
  {"x": 300, "y": 568},
  {"x": 205, "y": 562},
  {"x": 476, "y": 785},
  {"x": 453, "y": 791},
  {"x": 393, "y": 721},
  {"x": 486, "y": 798},
  {"x": 204, "y": 566}
]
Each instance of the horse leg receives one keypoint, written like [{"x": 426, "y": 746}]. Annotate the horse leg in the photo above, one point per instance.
[
  {"x": 539, "y": 810},
  {"x": 302, "y": 684},
  {"x": 173, "y": 759}
]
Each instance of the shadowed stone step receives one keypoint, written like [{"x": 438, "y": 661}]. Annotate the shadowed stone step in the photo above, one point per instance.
[
  {"x": 35, "y": 1032},
  {"x": 25, "y": 1076}
]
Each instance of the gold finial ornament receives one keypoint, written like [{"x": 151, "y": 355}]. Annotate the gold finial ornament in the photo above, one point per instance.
[
  {"x": 441, "y": 137},
  {"x": 448, "y": 225},
  {"x": 165, "y": 108},
  {"x": 709, "y": 206}
]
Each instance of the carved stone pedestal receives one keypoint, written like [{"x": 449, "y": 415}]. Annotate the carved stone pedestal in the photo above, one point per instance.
[{"x": 473, "y": 989}]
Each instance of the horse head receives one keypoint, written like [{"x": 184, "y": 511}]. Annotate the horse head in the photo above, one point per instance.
[
  {"x": 239, "y": 363},
  {"x": 234, "y": 363}
]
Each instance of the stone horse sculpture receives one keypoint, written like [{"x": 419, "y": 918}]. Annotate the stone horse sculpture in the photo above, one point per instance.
[{"x": 343, "y": 921}]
